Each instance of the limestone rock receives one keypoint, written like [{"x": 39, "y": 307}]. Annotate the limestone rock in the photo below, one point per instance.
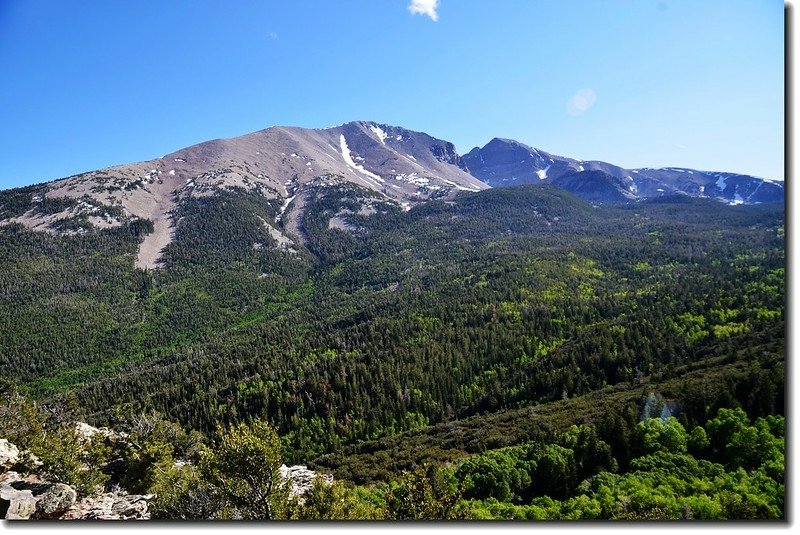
[
  {"x": 301, "y": 477},
  {"x": 28, "y": 497},
  {"x": 9, "y": 454},
  {"x": 114, "y": 505},
  {"x": 55, "y": 501},
  {"x": 16, "y": 504},
  {"x": 88, "y": 431}
]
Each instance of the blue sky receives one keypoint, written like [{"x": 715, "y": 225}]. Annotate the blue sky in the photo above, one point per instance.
[{"x": 692, "y": 83}]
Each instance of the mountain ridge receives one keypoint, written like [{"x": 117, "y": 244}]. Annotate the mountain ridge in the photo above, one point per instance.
[
  {"x": 281, "y": 164},
  {"x": 277, "y": 163},
  {"x": 506, "y": 162}
]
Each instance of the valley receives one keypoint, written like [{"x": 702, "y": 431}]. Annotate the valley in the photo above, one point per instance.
[{"x": 386, "y": 311}]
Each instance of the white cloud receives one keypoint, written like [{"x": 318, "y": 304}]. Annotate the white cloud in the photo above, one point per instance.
[
  {"x": 580, "y": 102},
  {"x": 272, "y": 35},
  {"x": 425, "y": 7}
]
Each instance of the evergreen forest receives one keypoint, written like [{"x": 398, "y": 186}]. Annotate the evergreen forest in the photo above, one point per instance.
[{"x": 514, "y": 353}]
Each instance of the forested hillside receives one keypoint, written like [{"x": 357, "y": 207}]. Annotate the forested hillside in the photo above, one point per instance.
[{"x": 473, "y": 333}]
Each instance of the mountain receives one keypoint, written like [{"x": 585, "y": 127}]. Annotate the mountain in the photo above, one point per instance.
[
  {"x": 594, "y": 186},
  {"x": 505, "y": 162},
  {"x": 280, "y": 164},
  {"x": 388, "y": 166}
]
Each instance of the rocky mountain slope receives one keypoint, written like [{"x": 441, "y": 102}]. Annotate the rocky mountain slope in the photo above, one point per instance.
[
  {"x": 505, "y": 162},
  {"x": 280, "y": 164}
]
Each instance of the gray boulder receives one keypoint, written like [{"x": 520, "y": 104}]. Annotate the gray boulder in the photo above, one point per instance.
[{"x": 55, "y": 501}]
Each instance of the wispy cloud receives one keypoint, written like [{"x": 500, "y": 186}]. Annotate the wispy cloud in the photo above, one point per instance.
[
  {"x": 272, "y": 35},
  {"x": 580, "y": 102},
  {"x": 425, "y": 7}
]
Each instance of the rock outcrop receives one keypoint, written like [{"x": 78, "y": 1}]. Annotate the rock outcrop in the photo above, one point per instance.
[
  {"x": 28, "y": 497},
  {"x": 114, "y": 505},
  {"x": 87, "y": 431},
  {"x": 301, "y": 478},
  {"x": 9, "y": 455}
]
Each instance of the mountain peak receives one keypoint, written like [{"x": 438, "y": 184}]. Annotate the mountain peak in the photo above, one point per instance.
[{"x": 279, "y": 164}]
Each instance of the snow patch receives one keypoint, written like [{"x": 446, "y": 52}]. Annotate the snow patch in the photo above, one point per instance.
[
  {"x": 284, "y": 206},
  {"x": 379, "y": 132},
  {"x": 542, "y": 173},
  {"x": 721, "y": 182},
  {"x": 457, "y": 186},
  {"x": 413, "y": 178},
  {"x": 348, "y": 159},
  {"x": 172, "y": 172}
]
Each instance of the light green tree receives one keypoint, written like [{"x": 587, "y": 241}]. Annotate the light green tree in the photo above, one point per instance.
[
  {"x": 424, "y": 494},
  {"x": 655, "y": 434},
  {"x": 333, "y": 501},
  {"x": 244, "y": 465}
]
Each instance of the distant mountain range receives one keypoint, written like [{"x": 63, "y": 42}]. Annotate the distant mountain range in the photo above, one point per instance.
[
  {"x": 505, "y": 162},
  {"x": 395, "y": 165}
]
